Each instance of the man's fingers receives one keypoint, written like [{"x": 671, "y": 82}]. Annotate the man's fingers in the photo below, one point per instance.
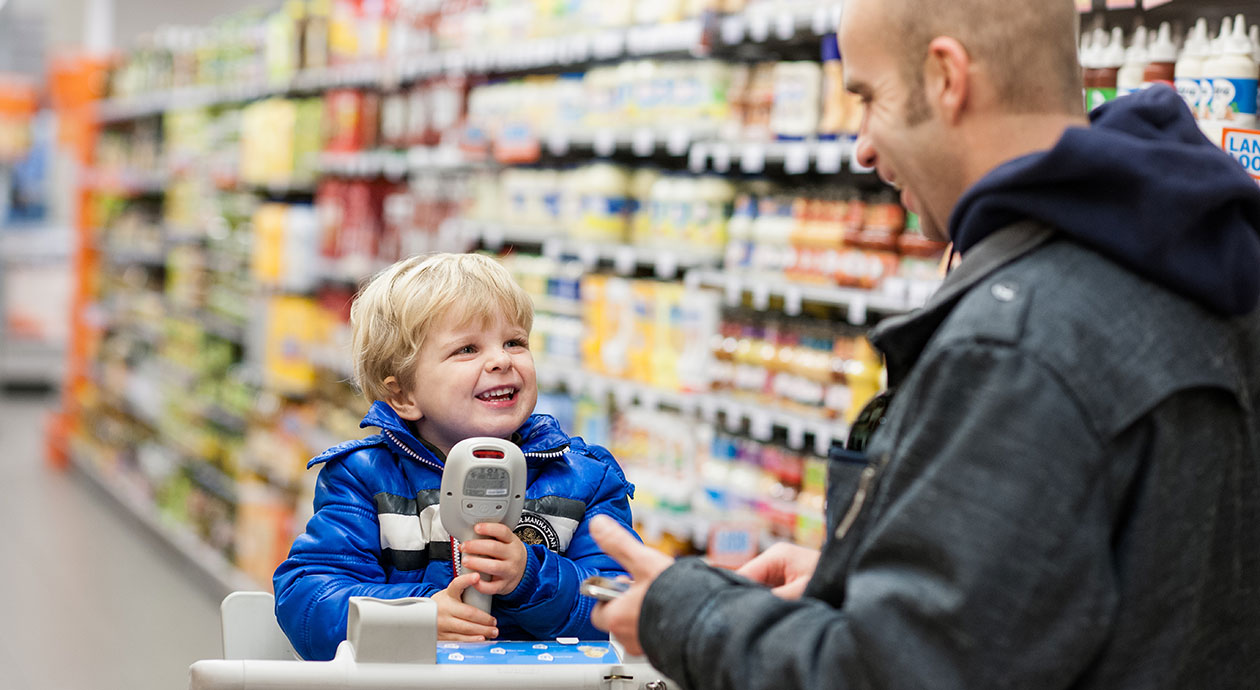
[
  {"x": 764, "y": 569},
  {"x": 616, "y": 541}
]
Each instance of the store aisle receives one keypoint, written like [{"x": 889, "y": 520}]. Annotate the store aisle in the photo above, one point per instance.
[{"x": 87, "y": 598}]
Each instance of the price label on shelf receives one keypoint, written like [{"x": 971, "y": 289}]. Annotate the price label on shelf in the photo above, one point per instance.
[
  {"x": 624, "y": 260},
  {"x": 753, "y": 158},
  {"x": 721, "y": 155},
  {"x": 796, "y": 158},
  {"x": 697, "y": 158},
  {"x": 734, "y": 416},
  {"x": 605, "y": 142},
  {"x": 552, "y": 248},
  {"x": 708, "y": 408},
  {"x": 795, "y": 434},
  {"x": 677, "y": 142},
  {"x": 822, "y": 439},
  {"x": 760, "y": 426},
  {"x": 758, "y": 26},
  {"x": 1122, "y": 4},
  {"x": 623, "y": 395},
  {"x": 666, "y": 265},
  {"x": 821, "y": 20},
  {"x": 830, "y": 156},
  {"x": 588, "y": 254},
  {"x": 760, "y": 296},
  {"x": 734, "y": 291},
  {"x": 650, "y": 398},
  {"x": 492, "y": 237},
  {"x": 609, "y": 44},
  {"x": 733, "y": 30},
  {"x": 558, "y": 142},
  {"x": 644, "y": 142},
  {"x": 857, "y": 310},
  {"x": 792, "y": 300},
  {"x": 784, "y": 26}
]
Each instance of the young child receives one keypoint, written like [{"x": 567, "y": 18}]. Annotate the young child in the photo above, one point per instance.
[{"x": 440, "y": 343}]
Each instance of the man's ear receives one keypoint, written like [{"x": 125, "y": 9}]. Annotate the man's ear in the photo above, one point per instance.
[
  {"x": 947, "y": 78},
  {"x": 403, "y": 402}
]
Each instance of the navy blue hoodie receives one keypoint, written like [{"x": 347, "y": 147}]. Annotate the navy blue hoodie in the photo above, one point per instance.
[{"x": 1142, "y": 186}]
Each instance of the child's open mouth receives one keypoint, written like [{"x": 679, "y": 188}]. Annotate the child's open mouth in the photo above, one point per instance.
[{"x": 505, "y": 394}]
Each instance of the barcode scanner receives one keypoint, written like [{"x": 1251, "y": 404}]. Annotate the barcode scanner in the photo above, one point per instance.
[{"x": 483, "y": 481}]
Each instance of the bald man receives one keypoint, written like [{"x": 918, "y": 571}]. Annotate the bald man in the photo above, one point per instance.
[{"x": 1060, "y": 489}]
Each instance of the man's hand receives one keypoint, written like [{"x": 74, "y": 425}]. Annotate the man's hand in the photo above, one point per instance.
[
  {"x": 501, "y": 557},
  {"x": 621, "y": 616},
  {"x": 784, "y": 567},
  {"x": 458, "y": 621}
]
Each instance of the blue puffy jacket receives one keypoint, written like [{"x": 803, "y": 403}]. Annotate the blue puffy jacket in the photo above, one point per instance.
[{"x": 376, "y": 533}]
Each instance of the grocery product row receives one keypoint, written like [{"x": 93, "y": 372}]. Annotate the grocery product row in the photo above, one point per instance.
[
  {"x": 1215, "y": 72},
  {"x": 317, "y": 44}
]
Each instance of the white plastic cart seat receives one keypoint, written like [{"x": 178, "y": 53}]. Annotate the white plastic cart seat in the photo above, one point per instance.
[
  {"x": 390, "y": 645},
  {"x": 250, "y": 629}
]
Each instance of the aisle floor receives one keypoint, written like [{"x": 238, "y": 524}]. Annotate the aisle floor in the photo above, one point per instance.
[{"x": 88, "y": 598}]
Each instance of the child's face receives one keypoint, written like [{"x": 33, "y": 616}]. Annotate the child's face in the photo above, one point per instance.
[{"x": 472, "y": 379}]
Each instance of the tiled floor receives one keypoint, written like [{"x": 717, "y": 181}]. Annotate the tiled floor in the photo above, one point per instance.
[{"x": 88, "y": 599}]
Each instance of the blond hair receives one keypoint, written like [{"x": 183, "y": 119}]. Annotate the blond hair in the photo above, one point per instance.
[
  {"x": 396, "y": 310},
  {"x": 1028, "y": 48}
]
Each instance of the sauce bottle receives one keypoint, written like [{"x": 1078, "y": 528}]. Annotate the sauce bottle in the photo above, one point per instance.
[
  {"x": 1163, "y": 59},
  {"x": 1132, "y": 74},
  {"x": 1189, "y": 67}
]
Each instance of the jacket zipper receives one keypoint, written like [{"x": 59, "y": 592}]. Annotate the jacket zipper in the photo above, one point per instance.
[
  {"x": 540, "y": 454},
  {"x": 545, "y": 454},
  {"x": 402, "y": 446},
  {"x": 859, "y": 498}
]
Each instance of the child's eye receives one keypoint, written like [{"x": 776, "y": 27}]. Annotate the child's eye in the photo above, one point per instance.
[
  {"x": 466, "y": 350},
  {"x": 518, "y": 342}
]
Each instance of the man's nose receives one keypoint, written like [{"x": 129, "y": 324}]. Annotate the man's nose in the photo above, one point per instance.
[{"x": 864, "y": 151}]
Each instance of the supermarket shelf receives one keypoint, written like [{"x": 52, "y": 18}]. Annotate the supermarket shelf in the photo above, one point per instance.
[
  {"x": 783, "y": 22},
  {"x": 666, "y": 262},
  {"x": 201, "y": 555},
  {"x": 793, "y": 157},
  {"x": 761, "y": 420},
  {"x": 896, "y": 297},
  {"x": 703, "y": 152}
]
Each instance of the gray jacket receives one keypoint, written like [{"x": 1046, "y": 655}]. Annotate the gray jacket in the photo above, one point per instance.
[{"x": 1064, "y": 494}]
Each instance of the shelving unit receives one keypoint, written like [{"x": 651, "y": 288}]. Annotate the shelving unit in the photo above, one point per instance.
[{"x": 232, "y": 429}]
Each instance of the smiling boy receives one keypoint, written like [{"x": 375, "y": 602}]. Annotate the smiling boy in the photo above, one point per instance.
[{"x": 441, "y": 345}]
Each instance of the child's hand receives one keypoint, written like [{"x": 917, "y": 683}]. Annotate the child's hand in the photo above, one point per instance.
[
  {"x": 501, "y": 557},
  {"x": 459, "y": 622}
]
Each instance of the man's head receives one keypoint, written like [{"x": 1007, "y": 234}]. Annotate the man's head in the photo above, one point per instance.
[
  {"x": 444, "y": 340},
  {"x": 936, "y": 76}
]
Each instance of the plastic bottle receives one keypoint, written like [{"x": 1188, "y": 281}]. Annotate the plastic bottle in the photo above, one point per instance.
[
  {"x": 1189, "y": 67},
  {"x": 1234, "y": 79},
  {"x": 834, "y": 102},
  {"x": 1207, "y": 85},
  {"x": 797, "y": 94},
  {"x": 1162, "y": 56},
  {"x": 1131, "y": 76},
  {"x": 1111, "y": 61},
  {"x": 1093, "y": 70}
]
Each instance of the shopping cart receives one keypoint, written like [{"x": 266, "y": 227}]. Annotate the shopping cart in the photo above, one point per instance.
[{"x": 392, "y": 645}]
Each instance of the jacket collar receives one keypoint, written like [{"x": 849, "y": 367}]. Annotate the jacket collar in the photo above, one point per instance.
[
  {"x": 540, "y": 438},
  {"x": 903, "y": 338}
]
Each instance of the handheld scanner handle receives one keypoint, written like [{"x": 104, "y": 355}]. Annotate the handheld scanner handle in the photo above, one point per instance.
[
  {"x": 483, "y": 481},
  {"x": 474, "y": 598}
]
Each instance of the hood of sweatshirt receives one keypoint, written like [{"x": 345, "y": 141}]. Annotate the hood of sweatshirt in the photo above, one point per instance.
[{"x": 1143, "y": 186}]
